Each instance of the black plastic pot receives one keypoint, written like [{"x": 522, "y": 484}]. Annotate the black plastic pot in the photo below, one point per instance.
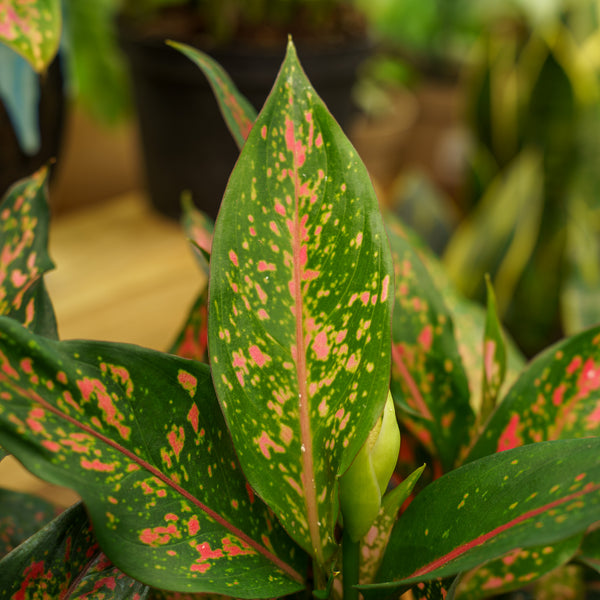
[
  {"x": 16, "y": 164},
  {"x": 186, "y": 145}
]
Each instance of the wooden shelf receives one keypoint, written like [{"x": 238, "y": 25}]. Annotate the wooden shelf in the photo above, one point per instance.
[{"x": 123, "y": 273}]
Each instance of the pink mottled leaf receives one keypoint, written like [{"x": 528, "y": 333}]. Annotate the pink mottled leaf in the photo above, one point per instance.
[
  {"x": 199, "y": 228},
  {"x": 374, "y": 543},
  {"x": 237, "y": 111},
  {"x": 516, "y": 569},
  {"x": 535, "y": 495},
  {"x": 21, "y": 515},
  {"x": 63, "y": 560},
  {"x": 139, "y": 435},
  {"x": 494, "y": 357},
  {"x": 192, "y": 340},
  {"x": 24, "y": 219},
  {"x": 299, "y": 314},
  {"x": 429, "y": 383},
  {"x": 32, "y": 29},
  {"x": 556, "y": 397}
]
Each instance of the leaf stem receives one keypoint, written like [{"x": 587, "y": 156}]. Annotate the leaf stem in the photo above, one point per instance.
[{"x": 350, "y": 566}]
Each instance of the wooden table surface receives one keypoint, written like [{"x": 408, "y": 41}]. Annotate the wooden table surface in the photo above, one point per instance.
[{"x": 123, "y": 273}]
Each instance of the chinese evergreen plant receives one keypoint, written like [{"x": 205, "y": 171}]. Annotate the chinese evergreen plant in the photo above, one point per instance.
[{"x": 272, "y": 469}]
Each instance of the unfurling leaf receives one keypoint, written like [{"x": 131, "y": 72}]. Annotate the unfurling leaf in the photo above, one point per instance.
[{"x": 364, "y": 483}]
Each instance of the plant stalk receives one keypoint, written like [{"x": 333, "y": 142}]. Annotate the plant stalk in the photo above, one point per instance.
[{"x": 350, "y": 566}]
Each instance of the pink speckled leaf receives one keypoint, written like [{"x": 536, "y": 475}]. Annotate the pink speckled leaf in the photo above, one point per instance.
[
  {"x": 63, "y": 560},
  {"x": 429, "y": 384},
  {"x": 374, "y": 543},
  {"x": 139, "y": 435},
  {"x": 199, "y": 228},
  {"x": 535, "y": 495},
  {"x": 24, "y": 220},
  {"x": 516, "y": 569},
  {"x": 192, "y": 340},
  {"x": 21, "y": 515},
  {"x": 556, "y": 397},
  {"x": 237, "y": 111},
  {"x": 494, "y": 357},
  {"x": 299, "y": 315},
  {"x": 32, "y": 29}
]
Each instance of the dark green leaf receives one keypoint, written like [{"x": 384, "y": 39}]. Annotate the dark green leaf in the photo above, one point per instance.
[
  {"x": 534, "y": 495},
  {"x": 237, "y": 111},
  {"x": 139, "y": 435},
  {"x": 300, "y": 308},
  {"x": 428, "y": 381},
  {"x": 589, "y": 553},
  {"x": 516, "y": 569},
  {"x": 21, "y": 515},
  {"x": 556, "y": 397},
  {"x": 24, "y": 217},
  {"x": 63, "y": 560}
]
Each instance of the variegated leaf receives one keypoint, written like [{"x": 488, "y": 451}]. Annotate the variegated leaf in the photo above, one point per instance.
[
  {"x": 494, "y": 357},
  {"x": 428, "y": 381},
  {"x": 516, "y": 569},
  {"x": 299, "y": 312},
  {"x": 557, "y": 396},
  {"x": 24, "y": 218},
  {"x": 199, "y": 228},
  {"x": 139, "y": 435},
  {"x": 237, "y": 111},
  {"x": 32, "y": 29},
  {"x": 373, "y": 545},
  {"x": 21, "y": 515},
  {"x": 192, "y": 341},
  {"x": 535, "y": 495},
  {"x": 63, "y": 560}
]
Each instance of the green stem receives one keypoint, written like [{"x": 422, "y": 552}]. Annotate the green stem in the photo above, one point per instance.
[{"x": 350, "y": 566}]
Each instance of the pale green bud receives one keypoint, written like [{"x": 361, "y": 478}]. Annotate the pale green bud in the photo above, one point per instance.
[{"x": 364, "y": 483}]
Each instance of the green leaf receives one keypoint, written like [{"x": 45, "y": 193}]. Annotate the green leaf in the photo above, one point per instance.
[
  {"x": 556, "y": 397},
  {"x": 494, "y": 357},
  {"x": 500, "y": 235},
  {"x": 63, "y": 560},
  {"x": 24, "y": 218},
  {"x": 516, "y": 569},
  {"x": 534, "y": 495},
  {"x": 139, "y": 435},
  {"x": 199, "y": 228},
  {"x": 237, "y": 111},
  {"x": 589, "y": 553},
  {"x": 192, "y": 341},
  {"x": 428, "y": 381},
  {"x": 21, "y": 515},
  {"x": 32, "y": 29},
  {"x": 299, "y": 312},
  {"x": 373, "y": 545}
]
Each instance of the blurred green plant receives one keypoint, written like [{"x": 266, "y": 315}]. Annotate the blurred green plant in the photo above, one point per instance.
[{"x": 532, "y": 200}]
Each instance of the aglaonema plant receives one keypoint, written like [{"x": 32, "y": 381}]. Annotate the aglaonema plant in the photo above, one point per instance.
[{"x": 268, "y": 470}]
